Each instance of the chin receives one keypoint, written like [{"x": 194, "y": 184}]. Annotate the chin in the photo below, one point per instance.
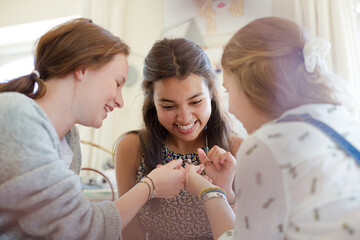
[{"x": 97, "y": 125}]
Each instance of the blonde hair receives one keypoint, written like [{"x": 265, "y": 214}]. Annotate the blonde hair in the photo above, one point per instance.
[{"x": 265, "y": 59}]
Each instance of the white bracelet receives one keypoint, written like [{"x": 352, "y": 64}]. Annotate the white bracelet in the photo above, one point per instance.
[{"x": 209, "y": 195}]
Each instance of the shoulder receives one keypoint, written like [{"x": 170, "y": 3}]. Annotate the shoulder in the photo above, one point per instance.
[
  {"x": 22, "y": 116},
  {"x": 127, "y": 148},
  {"x": 292, "y": 141},
  {"x": 16, "y": 106},
  {"x": 235, "y": 144},
  {"x": 129, "y": 140},
  {"x": 13, "y": 102}
]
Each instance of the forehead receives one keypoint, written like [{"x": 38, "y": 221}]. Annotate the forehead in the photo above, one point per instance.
[
  {"x": 173, "y": 87},
  {"x": 119, "y": 64}
]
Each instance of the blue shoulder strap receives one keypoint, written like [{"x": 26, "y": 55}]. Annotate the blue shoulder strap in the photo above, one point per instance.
[{"x": 338, "y": 139}]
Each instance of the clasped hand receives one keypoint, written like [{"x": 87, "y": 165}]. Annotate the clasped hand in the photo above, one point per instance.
[{"x": 218, "y": 164}]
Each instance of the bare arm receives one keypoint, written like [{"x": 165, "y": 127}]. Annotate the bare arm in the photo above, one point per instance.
[
  {"x": 168, "y": 181},
  {"x": 127, "y": 160},
  {"x": 219, "y": 212}
]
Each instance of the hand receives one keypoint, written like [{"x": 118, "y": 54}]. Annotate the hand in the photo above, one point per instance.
[
  {"x": 194, "y": 182},
  {"x": 221, "y": 169},
  {"x": 168, "y": 179}
]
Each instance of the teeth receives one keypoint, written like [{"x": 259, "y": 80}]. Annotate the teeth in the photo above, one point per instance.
[
  {"x": 187, "y": 127},
  {"x": 107, "y": 108}
]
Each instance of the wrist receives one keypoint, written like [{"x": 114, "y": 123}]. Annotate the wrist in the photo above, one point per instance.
[
  {"x": 151, "y": 186},
  {"x": 231, "y": 197},
  {"x": 199, "y": 184},
  {"x": 210, "y": 192}
]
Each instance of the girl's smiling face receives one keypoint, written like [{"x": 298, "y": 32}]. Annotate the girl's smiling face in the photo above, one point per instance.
[
  {"x": 100, "y": 91},
  {"x": 183, "y": 106}
]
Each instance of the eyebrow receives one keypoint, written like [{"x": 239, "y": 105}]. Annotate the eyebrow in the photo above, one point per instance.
[{"x": 190, "y": 98}]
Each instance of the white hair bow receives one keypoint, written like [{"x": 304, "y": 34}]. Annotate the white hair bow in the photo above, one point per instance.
[{"x": 314, "y": 52}]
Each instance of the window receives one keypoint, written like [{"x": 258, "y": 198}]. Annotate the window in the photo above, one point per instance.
[{"x": 16, "y": 46}]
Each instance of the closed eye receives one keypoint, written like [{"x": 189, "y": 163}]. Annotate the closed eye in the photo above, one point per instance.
[
  {"x": 119, "y": 83},
  {"x": 167, "y": 107},
  {"x": 197, "y": 102}
]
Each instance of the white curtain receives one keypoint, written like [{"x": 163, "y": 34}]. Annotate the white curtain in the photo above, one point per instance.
[
  {"x": 335, "y": 21},
  {"x": 109, "y": 14}
]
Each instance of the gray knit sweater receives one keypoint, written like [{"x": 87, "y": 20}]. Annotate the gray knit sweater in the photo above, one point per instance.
[{"x": 40, "y": 198}]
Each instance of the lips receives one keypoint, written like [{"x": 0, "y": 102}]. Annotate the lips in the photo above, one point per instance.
[
  {"x": 108, "y": 108},
  {"x": 186, "y": 127},
  {"x": 221, "y": 5}
]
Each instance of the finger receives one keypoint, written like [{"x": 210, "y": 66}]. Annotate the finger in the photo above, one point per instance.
[
  {"x": 222, "y": 158},
  {"x": 200, "y": 168},
  {"x": 187, "y": 161},
  {"x": 181, "y": 169},
  {"x": 220, "y": 161},
  {"x": 202, "y": 155},
  {"x": 228, "y": 159},
  {"x": 190, "y": 169},
  {"x": 207, "y": 178},
  {"x": 215, "y": 157},
  {"x": 212, "y": 152},
  {"x": 186, "y": 174},
  {"x": 174, "y": 163}
]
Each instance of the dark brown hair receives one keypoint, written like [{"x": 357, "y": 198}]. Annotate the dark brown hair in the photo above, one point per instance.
[
  {"x": 63, "y": 49},
  {"x": 178, "y": 58},
  {"x": 266, "y": 61}
]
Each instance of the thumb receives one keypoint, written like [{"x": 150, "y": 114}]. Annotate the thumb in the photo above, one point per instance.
[
  {"x": 191, "y": 169},
  {"x": 175, "y": 163},
  {"x": 202, "y": 155}
]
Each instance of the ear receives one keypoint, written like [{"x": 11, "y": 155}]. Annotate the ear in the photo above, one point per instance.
[{"x": 80, "y": 73}]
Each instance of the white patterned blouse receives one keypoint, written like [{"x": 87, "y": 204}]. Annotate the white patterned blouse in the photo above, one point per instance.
[{"x": 293, "y": 182}]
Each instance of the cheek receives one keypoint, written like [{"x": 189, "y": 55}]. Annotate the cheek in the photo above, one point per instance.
[
  {"x": 113, "y": 90},
  {"x": 206, "y": 110},
  {"x": 235, "y": 107},
  {"x": 164, "y": 117}
]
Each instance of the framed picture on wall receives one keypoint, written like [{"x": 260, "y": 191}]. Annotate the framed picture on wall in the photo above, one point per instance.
[{"x": 210, "y": 23}]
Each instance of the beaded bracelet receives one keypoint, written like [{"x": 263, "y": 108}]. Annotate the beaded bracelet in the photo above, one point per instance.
[{"x": 210, "y": 189}]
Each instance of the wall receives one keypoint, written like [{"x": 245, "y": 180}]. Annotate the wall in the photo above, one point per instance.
[
  {"x": 22, "y": 11},
  {"x": 142, "y": 24}
]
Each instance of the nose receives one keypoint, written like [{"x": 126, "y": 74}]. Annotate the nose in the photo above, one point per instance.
[
  {"x": 119, "y": 102},
  {"x": 184, "y": 115}
]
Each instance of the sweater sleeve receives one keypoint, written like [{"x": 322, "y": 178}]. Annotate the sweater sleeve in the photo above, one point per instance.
[{"x": 39, "y": 195}]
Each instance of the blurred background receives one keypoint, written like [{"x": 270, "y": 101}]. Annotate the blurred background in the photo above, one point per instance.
[{"x": 210, "y": 23}]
